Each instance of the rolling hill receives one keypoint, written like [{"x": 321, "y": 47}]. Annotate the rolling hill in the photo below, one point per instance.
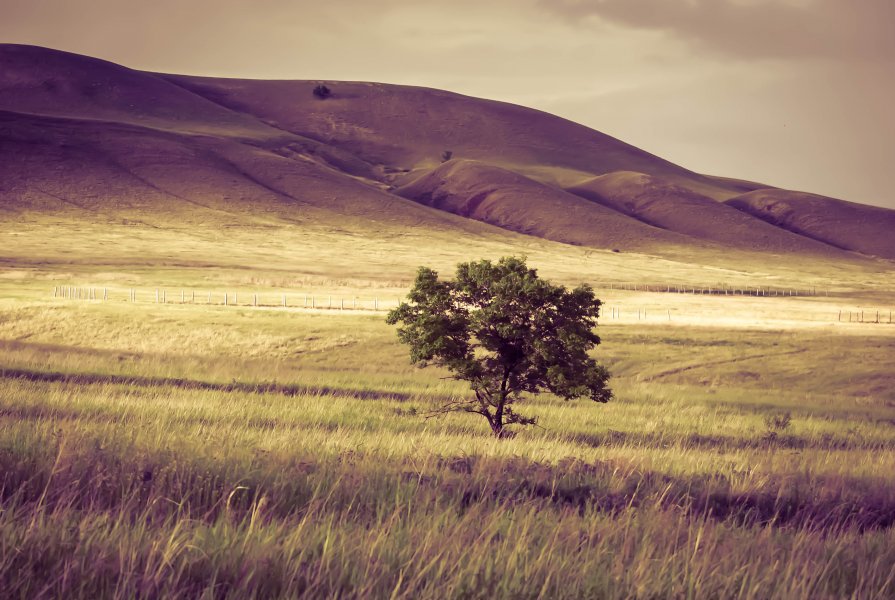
[
  {"x": 677, "y": 208},
  {"x": 86, "y": 138},
  {"x": 847, "y": 225}
]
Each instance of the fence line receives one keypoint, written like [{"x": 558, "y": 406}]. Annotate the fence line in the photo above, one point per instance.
[
  {"x": 375, "y": 303},
  {"x": 654, "y": 314},
  {"x": 225, "y": 298},
  {"x": 757, "y": 291}
]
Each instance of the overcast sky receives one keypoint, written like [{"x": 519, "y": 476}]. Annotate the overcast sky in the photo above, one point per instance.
[{"x": 793, "y": 93}]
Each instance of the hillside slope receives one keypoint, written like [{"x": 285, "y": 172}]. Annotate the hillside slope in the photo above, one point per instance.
[
  {"x": 672, "y": 207},
  {"x": 511, "y": 201},
  {"x": 866, "y": 229},
  {"x": 408, "y": 127},
  {"x": 87, "y": 138},
  {"x": 125, "y": 172}
]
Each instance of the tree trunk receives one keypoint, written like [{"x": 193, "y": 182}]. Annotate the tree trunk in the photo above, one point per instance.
[{"x": 497, "y": 421}]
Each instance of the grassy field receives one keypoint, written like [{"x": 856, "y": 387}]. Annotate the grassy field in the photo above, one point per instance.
[
  {"x": 191, "y": 449},
  {"x": 194, "y": 450},
  {"x": 207, "y": 451}
]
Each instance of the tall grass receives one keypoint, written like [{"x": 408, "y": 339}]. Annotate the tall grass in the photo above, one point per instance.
[{"x": 182, "y": 469}]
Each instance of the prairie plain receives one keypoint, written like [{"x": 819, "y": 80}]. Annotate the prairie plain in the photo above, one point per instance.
[
  {"x": 200, "y": 397},
  {"x": 196, "y": 450}
]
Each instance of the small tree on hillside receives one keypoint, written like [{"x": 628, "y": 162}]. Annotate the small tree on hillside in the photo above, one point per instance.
[
  {"x": 506, "y": 332},
  {"x": 322, "y": 92}
]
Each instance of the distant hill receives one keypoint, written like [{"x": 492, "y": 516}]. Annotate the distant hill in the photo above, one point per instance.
[
  {"x": 847, "y": 225},
  {"x": 512, "y": 201},
  {"x": 673, "y": 207},
  {"x": 82, "y": 136}
]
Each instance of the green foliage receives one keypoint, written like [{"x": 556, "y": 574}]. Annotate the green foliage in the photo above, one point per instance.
[{"x": 506, "y": 332}]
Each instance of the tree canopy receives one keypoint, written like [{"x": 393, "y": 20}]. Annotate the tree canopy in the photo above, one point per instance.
[{"x": 507, "y": 332}]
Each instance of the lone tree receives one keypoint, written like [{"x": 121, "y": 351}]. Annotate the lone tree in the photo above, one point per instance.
[
  {"x": 322, "y": 92},
  {"x": 505, "y": 331}
]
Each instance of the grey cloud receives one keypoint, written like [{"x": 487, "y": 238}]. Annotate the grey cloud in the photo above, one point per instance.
[{"x": 839, "y": 29}]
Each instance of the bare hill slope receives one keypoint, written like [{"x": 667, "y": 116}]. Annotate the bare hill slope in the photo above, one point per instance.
[
  {"x": 87, "y": 137},
  {"x": 673, "y": 207},
  {"x": 407, "y": 127},
  {"x": 512, "y": 201},
  {"x": 125, "y": 172},
  {"x": 848, "y": 225}
]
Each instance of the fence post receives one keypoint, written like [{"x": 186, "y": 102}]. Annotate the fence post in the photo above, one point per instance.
[
  {"x": 354, "y": 303},
  {"x": 105, "y": 294},
  {"x": 255, "y": 299},
  {"x": 225, "y": 299},
  {"x": 313, "y": 302},
  {"x": 284, "y": 300},
  {"x": 375, "y": 303},
  {"x": 156, "y": 295},
  {"x": 341, "y": 303}
]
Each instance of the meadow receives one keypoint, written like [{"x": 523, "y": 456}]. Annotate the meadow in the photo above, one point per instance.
[
  {"x": 173, "y": 450},
  {"x": 172, "y": 446}
]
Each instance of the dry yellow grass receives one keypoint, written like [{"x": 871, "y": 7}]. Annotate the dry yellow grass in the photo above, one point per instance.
[{"x": 209, "y": 451}]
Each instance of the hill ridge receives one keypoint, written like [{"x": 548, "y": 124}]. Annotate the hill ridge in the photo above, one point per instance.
[{"x": 359, "y": 153}]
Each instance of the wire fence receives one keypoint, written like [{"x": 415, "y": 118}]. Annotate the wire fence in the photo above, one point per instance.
[
  {"x": 224, "y": 298},
  {"x": 611, "y": 311},
  {"x": 720, "y": 290}
]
